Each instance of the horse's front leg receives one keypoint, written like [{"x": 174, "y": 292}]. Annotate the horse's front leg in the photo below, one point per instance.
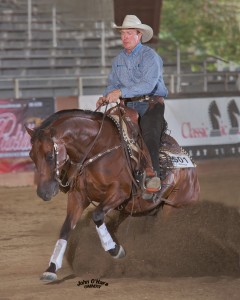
[
  {"x": 107, "y": 242},
  {"x": 75, "y": 208}
]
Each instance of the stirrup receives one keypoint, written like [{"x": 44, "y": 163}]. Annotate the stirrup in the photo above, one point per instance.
[
  {"x": 147, "y": 189},
  {"x": 147, "y": 196}
]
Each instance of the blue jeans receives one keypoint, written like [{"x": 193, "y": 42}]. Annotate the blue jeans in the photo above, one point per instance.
[
  {"x": 140, "y": 107},
  {"x": 152, "y": 124}
]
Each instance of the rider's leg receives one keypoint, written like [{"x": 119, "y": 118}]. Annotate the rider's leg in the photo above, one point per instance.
[{"x": 152, "y": 124}]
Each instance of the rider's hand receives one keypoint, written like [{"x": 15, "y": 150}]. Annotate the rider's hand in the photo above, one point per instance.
[
  {"x": 113, "y": 96},
  {"x": 101, "y": 101}
]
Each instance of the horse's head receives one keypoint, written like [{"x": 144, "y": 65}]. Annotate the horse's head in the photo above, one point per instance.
[{"x": 45, "y": 155}]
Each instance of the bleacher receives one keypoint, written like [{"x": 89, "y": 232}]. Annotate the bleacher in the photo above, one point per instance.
[
  {"x": 77, "y": 59},
  {"x": 77, "y": 52}
]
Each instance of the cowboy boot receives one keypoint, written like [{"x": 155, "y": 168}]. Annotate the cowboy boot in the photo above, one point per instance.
[{"x": 152, "y": 181}]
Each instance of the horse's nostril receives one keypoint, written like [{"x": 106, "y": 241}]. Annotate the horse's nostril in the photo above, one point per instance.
[
  {"x": 47, "y": 197},
  {"x": 47, "y": 191},
  {"x": 43, "y": 195}
]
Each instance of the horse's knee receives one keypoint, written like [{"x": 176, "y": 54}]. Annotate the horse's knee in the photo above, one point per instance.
[{"x": 98, "y": 217}]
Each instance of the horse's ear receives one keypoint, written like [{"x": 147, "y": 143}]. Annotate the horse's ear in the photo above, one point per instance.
[{"x": 29, "y": 131}]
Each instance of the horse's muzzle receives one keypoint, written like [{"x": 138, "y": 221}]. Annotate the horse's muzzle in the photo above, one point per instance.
[{"x": 47, "y": 190}]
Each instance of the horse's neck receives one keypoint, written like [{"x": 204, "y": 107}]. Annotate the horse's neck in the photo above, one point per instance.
[{"x": 77, "y": 134}]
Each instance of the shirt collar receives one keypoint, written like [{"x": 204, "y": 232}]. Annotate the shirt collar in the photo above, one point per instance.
[{"x": 135, "y": 50}]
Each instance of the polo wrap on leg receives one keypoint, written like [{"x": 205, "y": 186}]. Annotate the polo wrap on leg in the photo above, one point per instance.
[
  {"x": 105, "y": 237},
  {"x": 58, "y": 253}
]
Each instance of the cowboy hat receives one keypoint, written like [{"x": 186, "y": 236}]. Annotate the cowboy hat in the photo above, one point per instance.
[{"x": 132, "y": 22}]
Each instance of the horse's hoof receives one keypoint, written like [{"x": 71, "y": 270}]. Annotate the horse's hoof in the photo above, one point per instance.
[
  {"x": 121, "y": 253},
  {"x": 48, "y": 277}
]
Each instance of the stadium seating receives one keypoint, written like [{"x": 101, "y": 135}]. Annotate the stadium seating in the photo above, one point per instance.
[
  {"x": 69, "y": 62},
  {"x": 77, "y": 53}
]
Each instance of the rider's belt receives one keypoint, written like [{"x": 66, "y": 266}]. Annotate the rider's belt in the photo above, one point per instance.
[{"x": 147, "y": 98}]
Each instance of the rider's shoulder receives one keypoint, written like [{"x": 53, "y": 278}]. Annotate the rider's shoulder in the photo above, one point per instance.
[{"x": 148, "y": 51}]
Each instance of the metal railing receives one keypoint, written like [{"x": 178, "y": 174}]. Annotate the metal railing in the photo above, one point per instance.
[
  {"x": 176, "y": 82},
  {"x": 198, "y": 81},
  {"x": 78, "y": 80},
  {"x": 203, "y": 80}
]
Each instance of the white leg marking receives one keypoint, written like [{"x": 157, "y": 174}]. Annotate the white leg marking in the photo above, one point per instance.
[
  {"x": 105, "y": 237},
  {"x": 58, "y": 253}
]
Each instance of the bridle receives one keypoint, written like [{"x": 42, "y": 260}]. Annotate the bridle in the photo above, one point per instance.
[{"x": 59, "y": 164}]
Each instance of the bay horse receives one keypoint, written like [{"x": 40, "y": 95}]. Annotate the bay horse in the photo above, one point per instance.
[{"x": 81, "y": 153}]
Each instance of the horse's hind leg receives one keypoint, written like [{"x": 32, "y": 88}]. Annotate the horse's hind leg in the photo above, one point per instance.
[
  {"x": 75, "y": 209},
  {"x": 107, "y": 242}
]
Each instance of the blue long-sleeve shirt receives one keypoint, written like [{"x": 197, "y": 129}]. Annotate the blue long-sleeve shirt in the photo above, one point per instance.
[{"x": 138, "y": 73}]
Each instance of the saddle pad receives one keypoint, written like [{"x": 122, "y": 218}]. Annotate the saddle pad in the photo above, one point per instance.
[{"x": 181, "y": 160}]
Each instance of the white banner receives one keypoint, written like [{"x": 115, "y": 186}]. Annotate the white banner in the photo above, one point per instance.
[
  {"x": 207, "y": 126},
  {"x": 204, "y": 121},
  {"x": 89, "y": 102}
]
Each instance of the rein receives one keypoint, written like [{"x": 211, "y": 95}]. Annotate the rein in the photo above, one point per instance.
[
  {"x": 94, "y": 141},
  {"x": 124, "y": 146},
  {"x": 84, "y": 161},
  {"x": 90, "y": 160}
]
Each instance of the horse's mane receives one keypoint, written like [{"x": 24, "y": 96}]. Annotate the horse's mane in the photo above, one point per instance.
[{"x": 62, "y": 113}]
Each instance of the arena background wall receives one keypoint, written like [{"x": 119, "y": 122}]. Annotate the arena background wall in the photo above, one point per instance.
[{"x": 205, "y": 125}]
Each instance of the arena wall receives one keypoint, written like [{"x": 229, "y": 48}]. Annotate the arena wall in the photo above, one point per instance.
[{"x": 205, "y": 142}]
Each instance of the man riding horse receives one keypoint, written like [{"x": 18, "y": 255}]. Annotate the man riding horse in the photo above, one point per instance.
[
  {"x": 137, "y": 78},
  {"x": 83, "y": 152}
]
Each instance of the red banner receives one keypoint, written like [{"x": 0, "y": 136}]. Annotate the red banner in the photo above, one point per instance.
[{"x": 14, "y": 140}]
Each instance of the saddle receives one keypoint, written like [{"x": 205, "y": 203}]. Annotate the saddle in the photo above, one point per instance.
[
  {"x": 126, "y": 120},
  {"x": 136, "y": 146}
]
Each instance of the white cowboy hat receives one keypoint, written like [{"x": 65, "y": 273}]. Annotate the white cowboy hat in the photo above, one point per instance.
[{"x": 132, "y": 22}]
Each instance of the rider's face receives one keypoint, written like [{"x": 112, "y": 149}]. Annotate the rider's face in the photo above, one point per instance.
[{"x": 130, "y": 38}]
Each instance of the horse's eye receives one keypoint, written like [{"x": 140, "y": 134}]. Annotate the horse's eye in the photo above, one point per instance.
[{"x": 49, "y": 156}]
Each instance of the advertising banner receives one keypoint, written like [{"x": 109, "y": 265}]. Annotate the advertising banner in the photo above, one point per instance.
[
  {"x": 206, "y": 127},
  {"x": 14, "y": 140}
]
